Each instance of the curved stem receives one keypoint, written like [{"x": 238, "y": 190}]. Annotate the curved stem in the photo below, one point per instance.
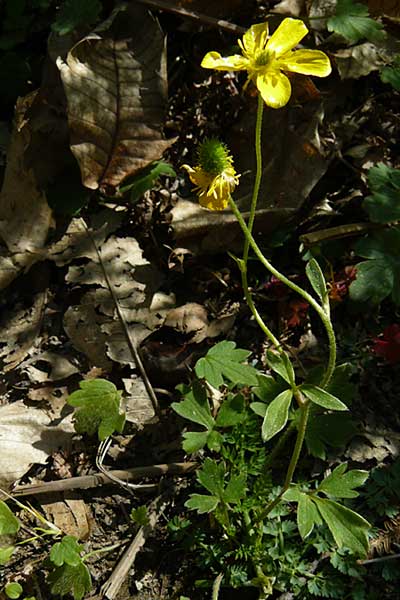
[
  {"x": 321, "y": 313},
  {"x": 257, "y": 181}
]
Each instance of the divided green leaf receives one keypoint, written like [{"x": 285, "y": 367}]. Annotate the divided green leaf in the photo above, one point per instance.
[
  {"x": 194, "y": 440},
  {"x": 321, "y": 397},
  {"x": 231, "y": 412},
  {"x": 391, "y": 74},
  {"x": 146, "y": 179},
  {"x": 268, "y": 387},
  {"x": 75, "y": 13},
  {"x": 98, "y": 403},
  {"x": 9, "y": 523},
  {"x": 379, "y": 276},
  {"x": 195, "y": 406},
  {"x": 224, "y": 360},
  {"x": 353, "y": 22},
  {"x": 70, "y": 580},
  {"x": 201, "y": 503},
  {"x": 211, "y": 476},
  {"x": 348, "y": 528},
  {"x": 383, "y": 206},
  {"x": 139, "y": 515},
  {"x": 334, "y": 429},
  {"x": 277, "y": 415},
  {"x": 68, "y": 551},
  {"x": 236, "y": 489},
  {"x": 341, "y": 484}
]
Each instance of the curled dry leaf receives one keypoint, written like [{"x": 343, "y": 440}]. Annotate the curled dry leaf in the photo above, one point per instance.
[
  {"x": 26, "y": 437},
  {"x": 115, "y": 84}
]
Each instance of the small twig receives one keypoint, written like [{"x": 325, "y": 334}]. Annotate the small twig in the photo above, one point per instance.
[
  {"x": 112, "y": 586},
  {"x": 194, "y": 16},
  {"x": 99, "y": 479},
  {"x": 341, "y": 231},
  {"x": 129, "y": 340},
  {"x": 216, "y": 586},
  {"x": 370, "y": 561}
]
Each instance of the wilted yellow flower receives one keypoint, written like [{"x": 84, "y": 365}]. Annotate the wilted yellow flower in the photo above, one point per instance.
[
  {"x": 265, "y": 60},
  {"x": 214, "y": 176}
]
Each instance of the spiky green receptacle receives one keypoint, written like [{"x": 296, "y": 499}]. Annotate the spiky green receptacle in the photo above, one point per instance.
[{"x": 213, "y": 156}]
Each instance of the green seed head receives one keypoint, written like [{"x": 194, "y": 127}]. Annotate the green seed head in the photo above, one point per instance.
[{"x": 213, "y": 156}]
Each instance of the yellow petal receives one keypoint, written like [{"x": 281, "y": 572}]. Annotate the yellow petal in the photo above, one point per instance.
[
  {"x": 213, "y": 60},
  {"x": 214, "y": 201},
  {"x": 274, "y": 88},
  {"x": 254, "y": 39},
  {"x": 287, "y": 36},
  {"x": 306, "y": 62}
]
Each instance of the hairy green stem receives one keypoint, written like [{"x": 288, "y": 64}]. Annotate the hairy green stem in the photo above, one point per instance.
[
  {"x": 320, "y": 311},
  {"x": 257, "y": 181}
]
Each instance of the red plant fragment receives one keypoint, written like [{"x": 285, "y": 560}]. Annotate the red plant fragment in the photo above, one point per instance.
[
  {"x": 296, "y": 312},
  {"x": 339, "y": 287},
  {"x": 388, "y": 345}
]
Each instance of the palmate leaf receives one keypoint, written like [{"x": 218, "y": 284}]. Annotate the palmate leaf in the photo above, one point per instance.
[
  {"x": 334, "y": 429},
  {"x": 383, "y": 206},
  {"x": 195, "y": 406},
  {"x": 224, "y": 360},
  {"x": 202, "y": 503},
  {"x": 68, "y": 551},
  {"x": 211, "y": 476},
  {"x": 98, "y": 404},
  {"x": 352, "y": 21},
  {"x": 231, "y": 412}
]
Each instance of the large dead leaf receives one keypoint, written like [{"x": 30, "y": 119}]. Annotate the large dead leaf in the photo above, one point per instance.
[
  {"x": 26, "y": 437},
  {"x": 115, "y": 83},
  {"x": 25, "y": 216}
]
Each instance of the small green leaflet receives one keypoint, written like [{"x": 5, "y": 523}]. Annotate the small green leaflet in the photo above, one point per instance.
[
  {"x": 348, "y": 528},
  {"x": 9, "y": 523},
  {"x": 280, "y": 363},
  {"x": 321, "y": 397},
  {"x": 341, "y": 484},
  {"x": 391, "y": 74},
  {"x": 211, "y": 476},
  {"x": 6, "y": 554},
  {"x": 352, "y": 21},
  {"x": 70, "y": 580},
  {"x": 194, "y": 440},
  {"x": 75, "y": 13},
  {"x": 98, "y": 403},
  {"x": 13, "y": 590},
  {"x": 224, "y": 361},
  {"x": 146, "y": 179},
  {"x": 139, "y": 515},
  {"x": 277, "y": 415},
  {"x": 307, "y": 515},
  {"x": 317, "y": 279},
  {"x": 68, "y": 551},
  {"x": 236, "y": 489},
  {"x": 201, "y": 503},
  {"x": 268, "y": 388},
  {"x": 195, "y": 406},
  {"x": 231, "y": 411}
]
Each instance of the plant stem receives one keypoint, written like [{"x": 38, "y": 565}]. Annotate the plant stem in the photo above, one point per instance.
[
  {"x": 216, "y": 586},
  {"x": 322, "y": 314},
  {"x": 257, "y": 180},
  {"x": 305, "y": 411}
]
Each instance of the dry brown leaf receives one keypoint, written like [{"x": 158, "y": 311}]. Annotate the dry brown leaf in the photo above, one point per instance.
[
  {"x": 189, "y": 318},
  {"x": 71, "y": 515},
  {"x": 25, "y": 216},
  {"x": 116, "y": 88},
  {"x": 26, "y": 437}
]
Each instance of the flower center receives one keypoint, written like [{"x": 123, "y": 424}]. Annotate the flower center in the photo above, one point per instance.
[
  {"x": 213, "y": 157},
  {"x": 263, "y": 58}
]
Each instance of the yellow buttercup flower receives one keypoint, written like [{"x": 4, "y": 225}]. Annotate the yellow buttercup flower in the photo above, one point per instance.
[
  {"x": 214, "y": 176},
  {"x": 266, "y": 60}
]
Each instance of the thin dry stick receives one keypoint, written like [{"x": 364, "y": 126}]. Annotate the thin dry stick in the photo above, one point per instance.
[
  {"x": 194, "y": 16},
  {"x": 99, "y": 479},
  {"x": 131, "y": 344},
  {"x": 112, "y": 586}
]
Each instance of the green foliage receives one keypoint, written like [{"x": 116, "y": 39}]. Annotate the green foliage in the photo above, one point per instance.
[
  {"x": 9, "y": 524},
  {"x": 146, "y": 179},
  {"x": 391, "y": 74},
  {"x": 69, "y": 579},
  {"x": 224, "y": 361},
  {"x": 383, "y": 206},
  {"x": 341, "y": 484},
  {"x": 13, "y": 590},
  {"x": 75, "y": 13},
  {"x": 5, "y": 554},
  {"x": 317, "y": 279},
  {"x": 98, "y": 404},
  {"x": 352, "y": 21},
  {"x": 321, "y": 397},
  {"x": 68, "y": 552},
  {"x": 378, "y": 277},
  {"x": 276, "y": 415},
  {"x": 139, "y": 515},
  {"x": 281, "y": 364}
]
